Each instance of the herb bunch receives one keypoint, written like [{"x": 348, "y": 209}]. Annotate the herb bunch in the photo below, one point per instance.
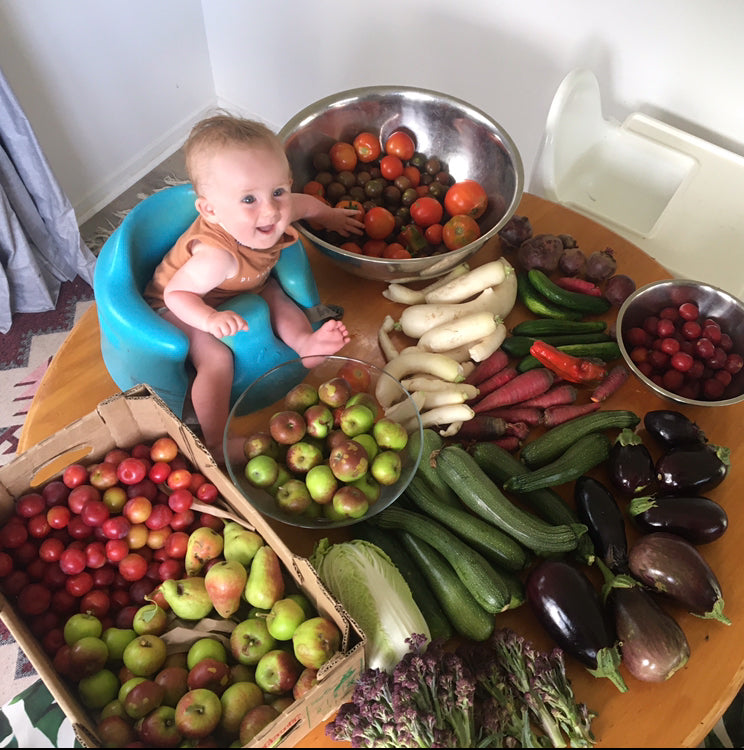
[{"x": 501, "y": 693}]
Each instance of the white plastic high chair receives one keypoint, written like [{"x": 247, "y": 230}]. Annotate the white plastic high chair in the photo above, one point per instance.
[{"x": 674, "y": 195}]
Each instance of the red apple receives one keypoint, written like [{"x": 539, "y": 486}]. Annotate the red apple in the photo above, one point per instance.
[{"x": 287, "y": 426}]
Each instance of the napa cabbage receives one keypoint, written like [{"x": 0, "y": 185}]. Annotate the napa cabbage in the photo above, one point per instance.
[{"x": 372, "y": 590}]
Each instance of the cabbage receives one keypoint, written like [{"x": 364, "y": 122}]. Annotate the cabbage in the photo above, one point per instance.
[{"x": 373, "y": 591}]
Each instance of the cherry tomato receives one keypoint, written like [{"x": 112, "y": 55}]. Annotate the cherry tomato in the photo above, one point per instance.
[
  {"x": 466, "y": 197},
  {"x": 367, "y": 147},
  {"x": 413, "y": 174},
  {"x": 459, "y": 231},
  {"x": 433, "y": 234},
  {"x": 426, "y": 211},
  {"x": 378, "y": 223},
  {"x": 400, "y": 144},
  {"x": 396, "y": 251},
  {"x": 343, "y": 156},
  {"x": 391, "y": 167}
]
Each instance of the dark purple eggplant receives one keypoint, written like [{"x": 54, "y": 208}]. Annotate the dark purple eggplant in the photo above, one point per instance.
[
  {"x": 692, "y": 469},
  {"x": 672, "y": 566},
  {"x": 698, "y": 519},
  {"x": 652, "y": 644},
  {"x": 568, "y": 607},
  {"x": 630, "y": 466},
  {"x": 671, "y": 428},
  {"x": 597, "y": 508}
]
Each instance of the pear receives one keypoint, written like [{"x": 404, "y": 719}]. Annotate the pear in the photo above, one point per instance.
[
  {"x": 225, "y": 582},
  {"x": 240, "y": 543},
  {"x": 204, "y": 544},
  {"x": 265, "y": 584},
  {"x": 187, "y": 597}
]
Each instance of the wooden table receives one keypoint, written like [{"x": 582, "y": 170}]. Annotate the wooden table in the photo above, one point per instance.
[{"x": 677, "y": 713}]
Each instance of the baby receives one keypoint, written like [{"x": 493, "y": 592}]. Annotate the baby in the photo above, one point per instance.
[{"x": 242, "y": 180}]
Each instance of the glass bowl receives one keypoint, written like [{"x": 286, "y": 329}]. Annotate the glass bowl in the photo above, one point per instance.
[{"x": 267, "y": 395}]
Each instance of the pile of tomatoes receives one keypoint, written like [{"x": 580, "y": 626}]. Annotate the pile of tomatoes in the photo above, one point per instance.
[{"x": 410, "y": 204}]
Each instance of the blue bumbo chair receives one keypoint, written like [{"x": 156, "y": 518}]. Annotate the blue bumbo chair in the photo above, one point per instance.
[{"x": 138, "y": 346}]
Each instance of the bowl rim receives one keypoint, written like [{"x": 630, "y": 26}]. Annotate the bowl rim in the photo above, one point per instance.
[
  {"x": 658, "y": 390},
  {"x": 322, "y": 524},
  {"x": 338, "y": 99}
]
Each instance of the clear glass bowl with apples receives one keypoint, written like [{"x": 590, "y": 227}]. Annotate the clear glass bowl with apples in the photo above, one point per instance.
[{"x": 308, "y": 443}]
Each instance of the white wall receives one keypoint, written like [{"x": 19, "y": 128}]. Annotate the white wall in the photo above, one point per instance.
[{"x": 112, "y": 86}]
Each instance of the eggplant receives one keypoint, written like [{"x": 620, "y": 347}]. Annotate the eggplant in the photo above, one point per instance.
[
  {"x": 672, "y": 566},
  {"x": 568, "y": 607},
  {"x": 697, "y": 519},
  {"x": 672, "y": 429},
  {"x": 652, "y": 644},
  {"x": 692, "y": 469},
  {"x": 597, "y": 508},
  {"x": 630, "y": 466}
]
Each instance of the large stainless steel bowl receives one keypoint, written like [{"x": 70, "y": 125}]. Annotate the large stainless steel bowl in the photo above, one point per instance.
[{"x": 467, "y": 140}]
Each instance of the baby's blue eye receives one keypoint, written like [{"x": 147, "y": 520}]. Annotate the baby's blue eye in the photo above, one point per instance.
[
  {"x": 279, "y": 192},
  {"x": 249, "y": 199}
]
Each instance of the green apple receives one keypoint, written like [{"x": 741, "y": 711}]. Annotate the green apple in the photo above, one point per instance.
[
  {"x": 334, "y": 392},
  {"x": 143, "y": 698},
  {"x": 370, "y": 487},
  {"x": 307, "y": 606},
  {"x": 368, "y": 400},
  {"x": 198, "y": 713},
  {"x": 81, "y": 624},
  {"x": 259, "y": 443},
  {"x": 319, "y": 420},
  {"x": 350, "y": 502},
  {"x": 150, "y": 618},
  {"x": 250, "y": 640},
  {"x": 203, "y": 648},
  {"x": 315, "y": 641},
  {"x": 284, "y": 617},
  {"x": 257, "y": 719},
  {"x": 390, "y": 434},
  {"x": 302, "y": 456},
  {"x": 369, "y": 444},
  {"x": 237, "y": 700},
  {"x": 277, "y": 671},
  {"x": 321, "y": 483},
  {"x": 145, "y": 654},
  {"x": 262, "y": 470},
  {"x": 98, "y": 689},
  {"x": 355, "y": 420},
  {"x": 116, "y": 640},
  {"x": 301, "y": 397},
  {"x": 386, "y": 467},
  {"x": 88, "y": 655},
  {"x": 294, "y": 497},
  {"x": 284, "y": 476}
]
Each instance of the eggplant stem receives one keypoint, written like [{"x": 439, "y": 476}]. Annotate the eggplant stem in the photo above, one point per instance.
[
  {"x": 608, "y": 661},
  {"x": 716, "y": 613}
]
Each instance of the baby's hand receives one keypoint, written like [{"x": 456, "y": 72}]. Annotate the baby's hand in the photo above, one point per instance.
[
  {"x": 345, "y": 221},
  {"x": 223, "y": 323}
]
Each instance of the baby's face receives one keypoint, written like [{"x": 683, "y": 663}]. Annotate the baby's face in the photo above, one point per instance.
[{"x": 248, "y": 193}]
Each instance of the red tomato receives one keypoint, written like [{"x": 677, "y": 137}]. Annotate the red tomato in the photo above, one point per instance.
[
  {"x": 314, "y": 188},
  {"x": 373, "y": 248},
  {"x": 413, "y": 174},
  {"x": 400, "y": 144},
  {"x": 426, "y": 211},
  {"x": 395, "y": 250},
  {"x": 466, "y": 197},
  {"x": 351, "y": 247},
  {"x": 391, "y": 167},
  {"x": 378, "y": 223},
  {"x": 343, "y": 156},
  {"x": 433, "y": 234},
  {"x": 356, "y": 375},
  {"x": 367, "y": 147},
  {"x": 459, "y": 231}
]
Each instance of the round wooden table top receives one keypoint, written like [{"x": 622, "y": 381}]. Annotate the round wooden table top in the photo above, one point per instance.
[{"x": 676, "y": 713}]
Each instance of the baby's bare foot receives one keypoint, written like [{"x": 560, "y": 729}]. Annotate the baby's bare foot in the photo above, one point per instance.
[{"x": 328, "y": 339}]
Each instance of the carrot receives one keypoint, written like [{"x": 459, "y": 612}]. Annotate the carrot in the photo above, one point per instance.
[
  {"x": 509, "y": 443},
  {"x": 615, "y": 378},
  {"x": 556, "y": 415},
  {"x": 575, "y": 284},
  {"x": 489, "y": 366},
  {"x": 557, "y": 394},
  {"x": 521, "y": 387},
  {"x": 530, "y": 415},
  {"x": 517, "y": 429},
  {"x": 482, "y": 427},
  {"x": 495, "y": 381}
]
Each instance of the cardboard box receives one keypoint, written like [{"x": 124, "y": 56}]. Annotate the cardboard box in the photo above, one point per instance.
[{"x": 139, "y": 415}]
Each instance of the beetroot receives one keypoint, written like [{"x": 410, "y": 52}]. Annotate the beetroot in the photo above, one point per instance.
[
  {"x": 601, "y": 265},
  {"x": 572, "y": 262},
  {"x": 618, "y": 288},
  {"x": 543, "y": 251}
]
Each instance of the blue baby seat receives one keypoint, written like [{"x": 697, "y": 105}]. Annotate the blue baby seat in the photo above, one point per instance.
[{"x": 138, "y": 345}]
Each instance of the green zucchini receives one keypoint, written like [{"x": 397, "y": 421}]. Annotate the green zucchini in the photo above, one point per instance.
[
  {"x": 492, "y": 543},
  {"x": 480, "y": 577},
  {"x": 481, "y": 494},
  {"x": 579, "y": 458},
  {"x": 541, "y": 327},
  {"x": 539, "y": 305},
  {"x": 426, "y": 600},
  {"x": 607, "y": 351},
  {"x": 556, "y": 440},
  {"x": 587, "y": 304},
  {"x": 500, "y": 465},
  {"x": 468, "y": 618},
  {"x": 432, "y": 442},
  {"x": 519, "y": 346}
]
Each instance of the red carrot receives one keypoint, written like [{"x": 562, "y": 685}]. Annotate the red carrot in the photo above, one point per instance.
[
  {"x": 575, "y": 284},
  {"x": 615, "y": 378},
  {"x": 488, "y": 367},
  {"x": 509, "y": 443},
  {"x": 517, "y": 429},
  {"x": 525, "y": 385},
  {"x": 556, "y": 415},
  {"x": 530, "y": 415},
  {"x": 559, "y": 393},
  {"x": 482, "y": 427},
  {"x": 495, "y": 381}
]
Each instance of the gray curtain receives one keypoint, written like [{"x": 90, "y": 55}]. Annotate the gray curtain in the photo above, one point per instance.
[{"x": 40, "y": 243}]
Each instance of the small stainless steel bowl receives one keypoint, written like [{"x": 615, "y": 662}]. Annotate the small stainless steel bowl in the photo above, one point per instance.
[
  {"x": 712, "y": 302},
  {"x": 467, "y": 140}
]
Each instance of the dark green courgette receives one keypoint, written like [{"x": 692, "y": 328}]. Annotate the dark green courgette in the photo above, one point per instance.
[
  {"x": 541, "y": 327},
  {"x": 432, "y": 442},
  {"x": 607, "y": 351},
  {"x": 539, "y": 305},
  {"x": 519, "y": 346},
  {"x": 587, "y": 304}
]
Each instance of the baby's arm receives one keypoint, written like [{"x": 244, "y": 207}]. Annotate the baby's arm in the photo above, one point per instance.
[
  {"x": 345, "y": 221},
  {"x": 206, "y": 269}
]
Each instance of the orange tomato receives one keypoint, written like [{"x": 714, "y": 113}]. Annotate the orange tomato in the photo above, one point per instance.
[
  {"x": 378, "y": 223},
  {"x": 400, "y": 144},
  {"x": 313, "y": 187},
  {"x": 350, "y": 203},
  {"x": 391, "y": 167},
  {"x": 352, "y": 247},
  {"x": 367, "y": 147},
  {"x": 343, "y": 156},
  {"x": 395, "y": 251},
  {"x": 459, "y": 231},
  {"x": 374, "y": 248},
  {"x": 466, "y": 197}
]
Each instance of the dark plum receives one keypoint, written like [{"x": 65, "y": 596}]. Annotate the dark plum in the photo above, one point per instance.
[
  {"x": 692, "y": 469},
  {"x": 630, "y": 466},
  {"x": 672, "y": 428},
  {"x": 698, "y": 519}
]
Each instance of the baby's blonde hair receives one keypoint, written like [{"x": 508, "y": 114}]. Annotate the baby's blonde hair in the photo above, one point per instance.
[{"x": 222, "y": 130}]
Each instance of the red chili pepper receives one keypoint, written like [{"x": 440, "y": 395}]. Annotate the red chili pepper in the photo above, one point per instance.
[{"x": 573, "y": 369}]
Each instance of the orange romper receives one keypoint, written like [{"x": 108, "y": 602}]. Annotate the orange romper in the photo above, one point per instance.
[{"x": 254, "y": 266}]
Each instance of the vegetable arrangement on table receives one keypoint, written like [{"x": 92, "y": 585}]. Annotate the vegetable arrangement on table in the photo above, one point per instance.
[{"x": 482, "y": 529}]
